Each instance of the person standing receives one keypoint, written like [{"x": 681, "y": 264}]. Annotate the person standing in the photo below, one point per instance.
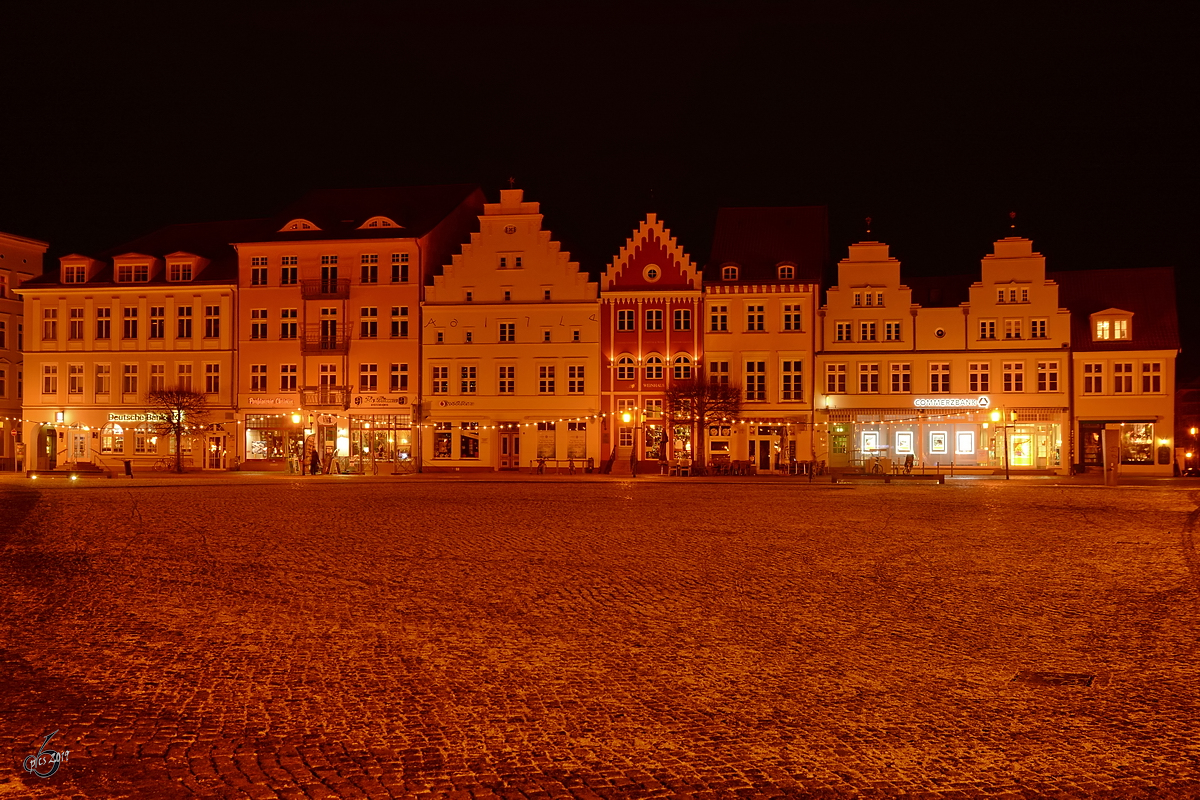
[{"x": 315, "y": 462}]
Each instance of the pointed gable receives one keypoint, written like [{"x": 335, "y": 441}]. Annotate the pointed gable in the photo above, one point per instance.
[{"x": 651, "y": 260}]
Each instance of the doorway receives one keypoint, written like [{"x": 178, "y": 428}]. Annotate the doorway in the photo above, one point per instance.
[
  {"x": 79, "y": 446},
  {"x": 510, "y": 446},
  {"x": 47, "y": 457},
  {"x": 215, "y": 453}
]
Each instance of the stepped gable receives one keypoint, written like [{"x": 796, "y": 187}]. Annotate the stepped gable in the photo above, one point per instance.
[
  {"x": 651, "y": 245},
  {"x": 759, "y": 239}
]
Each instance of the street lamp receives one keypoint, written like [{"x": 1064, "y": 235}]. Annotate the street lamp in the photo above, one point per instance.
[
  {"x": 627, "y": 417},
  {"x": 996, "y": 415}
]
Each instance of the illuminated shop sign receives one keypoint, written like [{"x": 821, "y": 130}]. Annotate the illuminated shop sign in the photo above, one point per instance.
[
  {"x": 952, "y": 402},
  {"x": 271, "y": 401},
  {"x": 379, "y": 400},
  {"x": 148, "y": 417}
]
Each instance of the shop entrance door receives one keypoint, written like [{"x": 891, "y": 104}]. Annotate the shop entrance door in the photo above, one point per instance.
[
  {"x": 761, "y": 448},
  {"x": 47, "y": 457},
  {"x": 510, "y": 447},
  {"x": 760, "y": 454},
  {"x": 79, "y": 446},
  {"x": 215, "y": 453}
]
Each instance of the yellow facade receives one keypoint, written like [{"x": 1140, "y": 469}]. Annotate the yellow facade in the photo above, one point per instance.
[
  {"x": 510, "y": 351},
  {"x": 20, "y": 261}
]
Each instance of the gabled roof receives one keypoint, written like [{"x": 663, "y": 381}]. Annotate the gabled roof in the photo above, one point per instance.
[
  {"x": 340, "y": 213},
  {"x": 209, "y": 240},
  {"x": 1148, "y": 293},
  {"x": 651, "y": 243},
  {"x": 758, "y": 239}
]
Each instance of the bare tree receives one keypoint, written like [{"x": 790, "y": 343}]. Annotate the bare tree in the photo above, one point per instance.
[
  {"x": 705, "y": 403},
  {"x": 177, "y": 410}
]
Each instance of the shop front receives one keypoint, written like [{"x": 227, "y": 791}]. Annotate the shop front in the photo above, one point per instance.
[
  {"x": 380, "y": 443},
  {"x": 1144, "y": 445},
  {"x": 274, "y": 442},
  {"x": 962, "y": 434},
  {"x": 781, "y": 445}
]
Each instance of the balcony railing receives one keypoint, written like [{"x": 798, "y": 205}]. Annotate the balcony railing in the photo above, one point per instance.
[
  {"x": 326, "y": 397},
  {"x": 338, "y": 289},
  {"x": 331, "y": 339}
]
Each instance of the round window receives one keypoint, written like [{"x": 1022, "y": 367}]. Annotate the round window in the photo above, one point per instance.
[
  {"x": 940, "y": 332},
  {"x": 652, "y": 273}
]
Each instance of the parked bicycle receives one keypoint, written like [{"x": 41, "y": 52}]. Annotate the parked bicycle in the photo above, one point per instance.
[{"x": 167, "y": 463}]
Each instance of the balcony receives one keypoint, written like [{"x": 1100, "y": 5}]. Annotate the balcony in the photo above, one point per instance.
[
  {"x": 326, "y": 338},
  {"x": 337, "y": 289},
  {"x": 326, "y": 397}
]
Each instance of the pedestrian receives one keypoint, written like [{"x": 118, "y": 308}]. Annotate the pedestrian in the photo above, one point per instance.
[{"x": 316, "y": 462}]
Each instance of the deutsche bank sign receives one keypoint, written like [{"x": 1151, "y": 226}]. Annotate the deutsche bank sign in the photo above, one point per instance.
[{"x": 952, "y": 402}]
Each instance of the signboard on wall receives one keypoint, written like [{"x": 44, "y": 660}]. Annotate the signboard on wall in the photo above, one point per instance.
[
  {"x": 379, "y": 400},
  {"x": 982, "y": 401}
]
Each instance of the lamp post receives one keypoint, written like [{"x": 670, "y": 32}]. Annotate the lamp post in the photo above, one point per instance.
[
  {"x": 996, "y": 418},
  {"x": 1188, "y": 457},
  {"x": 627, "y": 417}
]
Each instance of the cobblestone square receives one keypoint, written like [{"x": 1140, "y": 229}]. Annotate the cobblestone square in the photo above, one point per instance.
[{"x": 274, "y": 637}]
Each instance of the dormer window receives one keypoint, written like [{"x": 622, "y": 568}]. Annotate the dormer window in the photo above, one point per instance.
[
  {"x": 787, "y": 272},
  {"x": 75, "y": 273},
  {"x": 179, "y": 271},
  {"x": 1112, "y": 325},
  {"x": 729, "y": 273},
  {"x": 299, "y": 225},
  {"x": 133, "y": 273},
  {"x": 379, "y": 222}
]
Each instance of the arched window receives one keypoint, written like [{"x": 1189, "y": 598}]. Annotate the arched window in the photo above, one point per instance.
[
  {"x": 654, "y": 368},
  {"x": 787, "y": 272},
  {"x": 379, "y": 222},
  {"x": 729, "y": 273},
  {"x": 625, "y": 368},
  {"x": 683, "y": 368}
]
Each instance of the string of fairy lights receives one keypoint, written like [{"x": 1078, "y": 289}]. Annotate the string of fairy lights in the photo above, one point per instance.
[{"x": 643, "y": 415}]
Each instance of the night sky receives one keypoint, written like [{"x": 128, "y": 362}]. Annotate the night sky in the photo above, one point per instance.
[{"x": 934, "y": 119}]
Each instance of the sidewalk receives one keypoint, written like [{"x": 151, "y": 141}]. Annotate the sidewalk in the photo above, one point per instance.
[{"x": 195, "y": 477}]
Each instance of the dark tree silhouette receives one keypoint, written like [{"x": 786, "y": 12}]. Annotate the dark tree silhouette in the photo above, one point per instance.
[
  {"x": 705, "y": 403},
  {"x": 177, "y": 410}
]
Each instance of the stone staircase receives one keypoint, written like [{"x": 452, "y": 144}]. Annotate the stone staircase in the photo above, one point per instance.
[
  {"x": 621, "y": 465},
  {"x": 81, "y": 469}
]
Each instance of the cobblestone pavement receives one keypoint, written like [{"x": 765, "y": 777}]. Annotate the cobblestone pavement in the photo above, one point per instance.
[{"x": 321, "y": 637}]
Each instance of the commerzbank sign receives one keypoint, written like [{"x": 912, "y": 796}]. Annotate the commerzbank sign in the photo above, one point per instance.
[{"x": 982, "y": 401}]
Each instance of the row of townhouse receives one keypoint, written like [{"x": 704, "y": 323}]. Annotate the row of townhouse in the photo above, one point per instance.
[
  {"x": 20, "y": 262},
  {"x": 424, "y": 328}
]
